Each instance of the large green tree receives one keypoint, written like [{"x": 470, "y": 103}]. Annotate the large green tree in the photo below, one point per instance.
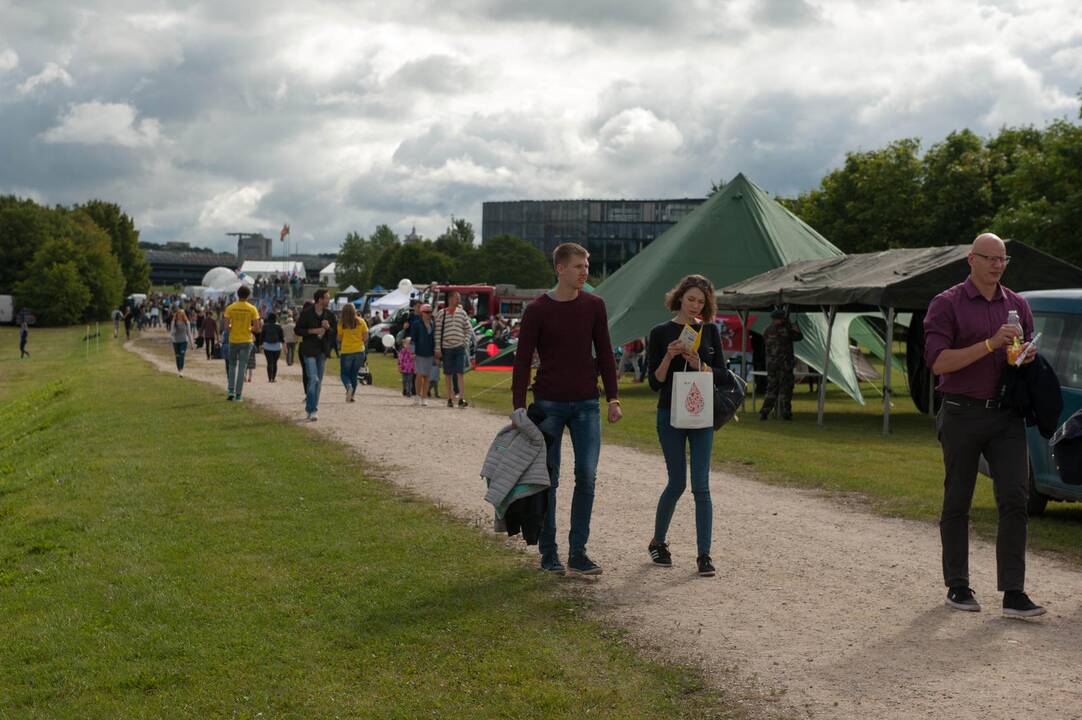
[
  {"x": 55, "y": 293},
  {"x": 510, "y": 259},
  {"x": 124, "y": 239},
  {"x": 457, "y": 243},
  {"x": 956, "y": 190},
  {"x": 24, "y": 227},
  {"x": 421, "y": 262},
  {"x": 358, "y": 256},
  {"x": 1044, "y": 192}
]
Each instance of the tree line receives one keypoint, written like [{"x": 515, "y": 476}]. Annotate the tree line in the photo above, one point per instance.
[
  {"x": 383, "y": 259},
  {"x": 1023, "y": 183},
  {"x": 69, "y": 265}
]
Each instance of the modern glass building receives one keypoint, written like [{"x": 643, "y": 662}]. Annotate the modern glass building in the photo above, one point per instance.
[{"x": 612, "y": 230}]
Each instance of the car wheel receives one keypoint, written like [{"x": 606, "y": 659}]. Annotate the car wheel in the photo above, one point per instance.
[{"x": 1037, "y": 501}]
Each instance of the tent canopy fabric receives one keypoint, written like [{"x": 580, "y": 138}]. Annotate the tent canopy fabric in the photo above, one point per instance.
[
  {"x": 392, "y": 301},
  {"x": 736, "y": 234},
  {"x": 259, "y": 268},
  {"x": 904, "y": 279}
]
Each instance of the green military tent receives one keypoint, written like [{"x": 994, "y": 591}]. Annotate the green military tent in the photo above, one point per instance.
[{"x": 738, "y": 233}]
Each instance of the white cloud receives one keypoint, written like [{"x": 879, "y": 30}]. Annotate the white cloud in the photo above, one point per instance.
[
  {"x": 52, "y": 73},
  {"x": 233, "y": 208},
  {"x": 96, "y": 123},
  {"x": 339, "y": 116},
  {"x": 9, "y": 60}
]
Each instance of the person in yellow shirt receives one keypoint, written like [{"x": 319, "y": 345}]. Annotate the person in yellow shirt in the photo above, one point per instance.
[
  {"x": 242, "y": 320},
  {"x": 354, "y": 334}
]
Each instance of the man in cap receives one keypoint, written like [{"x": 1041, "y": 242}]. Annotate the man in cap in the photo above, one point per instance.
[{"x": 778, "y": 340}]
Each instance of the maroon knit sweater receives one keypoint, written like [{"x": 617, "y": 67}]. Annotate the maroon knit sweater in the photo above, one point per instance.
[{"x": 566, "y": 336}]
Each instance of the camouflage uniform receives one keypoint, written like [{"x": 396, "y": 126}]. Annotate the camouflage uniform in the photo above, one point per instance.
[{"x": 779, "y": 339}]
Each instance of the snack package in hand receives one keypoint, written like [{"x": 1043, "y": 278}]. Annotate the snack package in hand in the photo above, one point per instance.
[{"x": 691, "y": 338}]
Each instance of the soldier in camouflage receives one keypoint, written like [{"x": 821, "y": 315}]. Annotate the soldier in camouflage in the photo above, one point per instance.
[{"x": 779, "y": 339}]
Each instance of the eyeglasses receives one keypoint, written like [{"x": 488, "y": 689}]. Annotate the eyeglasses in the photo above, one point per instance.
[{"x": 995, "y": 259}]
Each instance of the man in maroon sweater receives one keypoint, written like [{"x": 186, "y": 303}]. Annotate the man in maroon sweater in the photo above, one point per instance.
[{"x": 567, "y": 327}]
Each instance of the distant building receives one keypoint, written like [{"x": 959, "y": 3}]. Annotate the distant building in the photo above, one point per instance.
[
  {"x": 413, "y": 237},
  {"x": 184, "y": 268},
  {"x": 613, "y": 231},
  {"x": 253, "y": 246}
]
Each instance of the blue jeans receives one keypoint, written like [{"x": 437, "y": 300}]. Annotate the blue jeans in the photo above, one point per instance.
[
  {"x": 674, "y": 442},
  {"x": 236, "y": 366},
  {"x": 350, "y": 364},
  {"x": 583, "y": 419},
  {"x": 179, "y": 348},
  {"x": 314, "y": 367}
]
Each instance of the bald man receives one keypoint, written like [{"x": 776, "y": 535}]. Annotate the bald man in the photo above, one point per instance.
[{"x": 966, "y": 335}]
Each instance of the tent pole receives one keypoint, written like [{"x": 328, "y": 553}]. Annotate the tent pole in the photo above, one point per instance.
[
  {"x": 745, "y": 340},
  {"x": 889, "y": 354},
  {"x": 826, "y": 365}
]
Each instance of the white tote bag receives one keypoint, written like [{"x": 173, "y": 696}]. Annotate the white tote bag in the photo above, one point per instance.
[{"x": 692, "y": 400}]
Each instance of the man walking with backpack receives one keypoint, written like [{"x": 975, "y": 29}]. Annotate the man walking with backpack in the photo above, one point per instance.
[{"x": 568, "y": 328}]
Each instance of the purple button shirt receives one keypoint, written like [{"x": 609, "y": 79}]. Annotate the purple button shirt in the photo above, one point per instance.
[{"x": 960, "y": 317}]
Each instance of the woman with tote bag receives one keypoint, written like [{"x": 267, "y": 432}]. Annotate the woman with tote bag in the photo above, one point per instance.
[{"x": 683, "y": 352}]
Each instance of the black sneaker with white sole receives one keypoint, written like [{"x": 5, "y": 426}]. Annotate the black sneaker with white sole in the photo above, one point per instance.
[
  {"x": 551, "y": 563},
  {"x": 582, "y": 565},
  {"x": 462, "y": 403},
  {"x": 962, "y": 598},
  {"x": 706, "y": 568},
  {"x": 1017, "y": 604},
  {"x": 659, "y": 553},
  {"x": 450, "y": 403}
]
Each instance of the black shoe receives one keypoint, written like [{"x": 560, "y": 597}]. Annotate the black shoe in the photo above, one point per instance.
[
  {"x": 450, "y": 403},
  {"x": 706, "y": 568},
  {"x": 764, "y": 416},
  {"x": 660, "y": 554},
  {"x": 582, "y": 565},
  {"x": 962, "y": 598},
  {"x": 551, "y": 563},
  {"x": 1017, "y": 604},
  {"x": 462, "y": 403},
  {"x": 229, "y": 397}
]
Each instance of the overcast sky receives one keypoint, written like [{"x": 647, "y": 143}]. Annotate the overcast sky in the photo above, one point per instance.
[{"x": 208, "y": 117}]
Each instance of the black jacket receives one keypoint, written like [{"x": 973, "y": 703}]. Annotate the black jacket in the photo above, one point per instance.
[
  {"x": 1033, "y": 390},
  {"x": 313, "y": 345}
]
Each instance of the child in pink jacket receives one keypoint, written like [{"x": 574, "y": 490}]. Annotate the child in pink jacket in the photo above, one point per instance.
[{"x": 405, "y": 366}]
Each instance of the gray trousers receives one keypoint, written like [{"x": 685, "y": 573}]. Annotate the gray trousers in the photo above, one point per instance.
[{"x": 965, "y": 434}]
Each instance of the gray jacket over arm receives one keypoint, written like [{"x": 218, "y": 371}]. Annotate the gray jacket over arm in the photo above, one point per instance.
[{"x": 515, "y": 466}]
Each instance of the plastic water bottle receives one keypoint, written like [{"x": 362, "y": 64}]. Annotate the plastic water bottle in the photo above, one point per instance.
[{"x": 1015, "y": 348}]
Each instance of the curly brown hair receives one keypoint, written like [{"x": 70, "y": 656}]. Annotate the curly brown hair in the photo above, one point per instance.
[{"x": 674, "y": 296}]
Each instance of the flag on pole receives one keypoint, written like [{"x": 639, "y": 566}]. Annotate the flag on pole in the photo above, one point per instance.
[{"x": 285, "y": 231}]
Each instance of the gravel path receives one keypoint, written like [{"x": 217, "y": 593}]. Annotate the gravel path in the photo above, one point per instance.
[{"x": 818, "y": 610}]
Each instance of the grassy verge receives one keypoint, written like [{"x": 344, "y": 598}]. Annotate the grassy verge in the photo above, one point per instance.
[
  {"x": 166, "y": 554},
  {"x": 900, "y": 475}
]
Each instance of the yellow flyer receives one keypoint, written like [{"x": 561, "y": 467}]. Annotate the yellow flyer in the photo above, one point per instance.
[{"x": 691, "y": 338}]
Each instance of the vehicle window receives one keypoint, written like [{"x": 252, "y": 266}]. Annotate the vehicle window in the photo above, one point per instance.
[{"x": 1061, "y": 345}]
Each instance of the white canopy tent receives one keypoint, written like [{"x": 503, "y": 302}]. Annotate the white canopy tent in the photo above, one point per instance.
[
  {"x": 328, "y": 275},
  {"x": 270, "y": 268},
  {"x": 392, "y": 301}
]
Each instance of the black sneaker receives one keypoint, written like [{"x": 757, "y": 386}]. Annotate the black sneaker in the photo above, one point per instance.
[
  {"x": 229, "y": 398},
  {"x": 962, "y": 598},
  {"x": 450, "y": 403},
  {"x": 582, "y": 565},
  {"x": 660, "y": 554},
  {"x": 462, "y": 403},
  {"x": 706, "y": 568},
  {"x": 551, "y": 563},
  {"x": 1017, "y": 604}
]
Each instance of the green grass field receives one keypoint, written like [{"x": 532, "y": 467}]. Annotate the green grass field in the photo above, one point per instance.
[
  {"x": 900, "y": 475},
  {"x": 164, "y": 554}
]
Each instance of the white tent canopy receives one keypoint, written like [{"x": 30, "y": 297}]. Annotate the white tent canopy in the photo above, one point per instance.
[
  {"x": 328, "y": 275},
  {"x": 392, "y": 301},
  {"x": 263, "y": 268}
]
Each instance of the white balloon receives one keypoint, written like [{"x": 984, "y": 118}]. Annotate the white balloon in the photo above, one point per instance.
[
  {"x": 405, "y": 285},
  {"x": 388, "y": 341}
]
